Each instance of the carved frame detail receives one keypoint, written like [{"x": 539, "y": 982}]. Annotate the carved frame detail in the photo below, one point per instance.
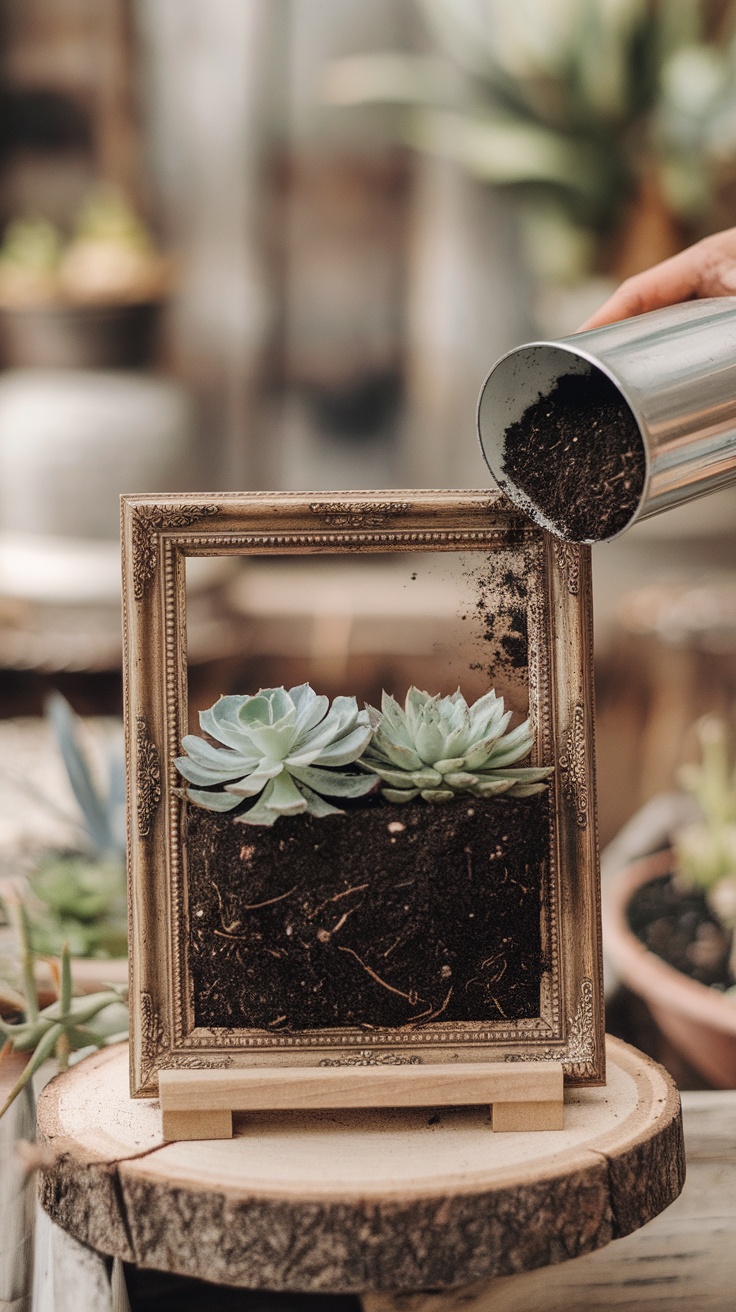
[{"x": 573, "y": 766}]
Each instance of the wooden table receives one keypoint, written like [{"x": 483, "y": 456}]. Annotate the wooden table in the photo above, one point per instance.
[{"x": 376, "y": 1203}]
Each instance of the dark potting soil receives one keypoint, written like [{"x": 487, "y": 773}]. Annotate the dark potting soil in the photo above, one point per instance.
[
  {"x": 680, "y": 928},
  {"x": 577, "y": 454},
  {"x": 385, "y": 917}
]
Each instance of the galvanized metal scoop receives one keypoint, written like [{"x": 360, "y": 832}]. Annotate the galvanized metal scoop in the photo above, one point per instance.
[{"x": 675, "y": 369}]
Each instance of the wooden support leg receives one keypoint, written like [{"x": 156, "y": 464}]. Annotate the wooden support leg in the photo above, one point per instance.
[
  {"x": 197, "y": 1125},
  {"x": 515, "y": 1116},
  {"x": 198, "y": 1104}
]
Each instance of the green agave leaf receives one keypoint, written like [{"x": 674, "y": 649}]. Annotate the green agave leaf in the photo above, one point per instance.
[
  {"x": 110, "y": 1021},
  {"x": 506, "y": 151},
  {"x": 91, "y": 802},
  {"x": 448, "y": 766},
  {"x": 437, "y": 794},
  {"x": 26, "y": 1034},
  {"x": 400, "y": 794},
  {"x": 46, "y": 1047},
  {"x": 81, "y": 1009}
]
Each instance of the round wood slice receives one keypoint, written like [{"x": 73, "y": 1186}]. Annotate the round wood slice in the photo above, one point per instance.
[{"x": 353, "y": 1201}]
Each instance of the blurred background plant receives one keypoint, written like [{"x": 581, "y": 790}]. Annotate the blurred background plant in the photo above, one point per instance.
[
  {"x": 705, "y": 850},
  {"x": 110, "y": 256},
  {"x": 613, "y": 121},
  {"x": 63, "y": 1030},
  {"x": 77, "y": 897}
]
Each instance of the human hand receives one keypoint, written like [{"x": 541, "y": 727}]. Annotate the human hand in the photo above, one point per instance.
[{"x": 706, "y": 269}]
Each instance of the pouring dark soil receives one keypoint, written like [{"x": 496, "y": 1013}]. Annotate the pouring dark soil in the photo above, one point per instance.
[
  {"x": 388, "y": 916},
  {"x": 577, "y": 454},
  {"x": 679, "y": 927}
]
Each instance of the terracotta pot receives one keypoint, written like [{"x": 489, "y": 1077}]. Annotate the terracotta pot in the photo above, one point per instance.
[{"x": 699, "y": 1021}]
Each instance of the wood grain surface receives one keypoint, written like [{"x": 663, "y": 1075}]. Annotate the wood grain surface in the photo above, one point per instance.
[
  {"x": 388, "y": 1201},
  {"x": 685, "y": 1259},
  {"x": 525, "y": 1095}
]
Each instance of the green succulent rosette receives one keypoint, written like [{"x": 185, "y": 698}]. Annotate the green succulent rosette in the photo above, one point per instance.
[
  {"x": 285, "y": 751},
  {"x": 439, "y": 747}
]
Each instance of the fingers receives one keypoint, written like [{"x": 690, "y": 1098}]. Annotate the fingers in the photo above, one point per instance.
[{"x": 706, "y": 269}]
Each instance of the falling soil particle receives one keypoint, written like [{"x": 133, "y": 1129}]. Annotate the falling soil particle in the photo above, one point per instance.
[
  {"x": 679, "y": 927},
  {"x": 501, "y": 609},
  {"x": 577, "y": 454},
  {"x": 365, "y": 920}
]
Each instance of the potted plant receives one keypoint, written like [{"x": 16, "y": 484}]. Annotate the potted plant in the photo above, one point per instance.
[
  {"x": 362, "y": 867},
  {"x": 75, "y": 897},
  {"x": 91, "y": 302},
  {"x": 670, "y": 919},
  {"x": 61, "y": 1027}
]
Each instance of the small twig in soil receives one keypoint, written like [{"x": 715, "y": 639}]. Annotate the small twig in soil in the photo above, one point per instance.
[
  {"x": 411, "y": 998},
  {"x": 358, "y": 888},
  {"x": 226, "y": 932},
  {"x": 228, "y": 929},
  {"x": 256, "y": 906},
  {"x": 395, "y": 944},
  {"x": 424, "y": 1018},
  {"x": 324, "y": 935}
]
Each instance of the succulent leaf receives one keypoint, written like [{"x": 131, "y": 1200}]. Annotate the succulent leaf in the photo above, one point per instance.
[
  {"x": 285, "y": 749},
  {"x": 438, "y": 747},
  {"x": 333, "y": 784}
]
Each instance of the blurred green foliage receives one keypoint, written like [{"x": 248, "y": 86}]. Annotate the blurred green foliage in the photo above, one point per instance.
[{"x": 575, "y": 105}]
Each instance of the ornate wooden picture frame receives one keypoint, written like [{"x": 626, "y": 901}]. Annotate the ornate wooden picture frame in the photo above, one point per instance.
[{"x": 158, "y": 537}]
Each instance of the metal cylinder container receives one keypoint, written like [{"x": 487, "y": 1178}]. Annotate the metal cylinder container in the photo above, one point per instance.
[{"x": 676, "y": 371}]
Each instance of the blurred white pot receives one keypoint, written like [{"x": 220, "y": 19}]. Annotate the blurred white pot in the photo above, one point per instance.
[{"x": 72, "y": 440}]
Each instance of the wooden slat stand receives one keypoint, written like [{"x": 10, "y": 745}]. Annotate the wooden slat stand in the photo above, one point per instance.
[{"x": 199, "y": 1104}]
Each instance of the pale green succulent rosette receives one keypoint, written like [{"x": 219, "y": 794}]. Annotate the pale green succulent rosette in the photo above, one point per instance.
[
  {"x": 286, "y": 750},
  {"x": 439, "y": 747}
]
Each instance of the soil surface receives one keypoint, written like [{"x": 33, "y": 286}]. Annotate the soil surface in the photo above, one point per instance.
[
  {"x": 385, "y": 917},
  {"x": 680, "y": 928},
  {"x": 577, "y": 454}
]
